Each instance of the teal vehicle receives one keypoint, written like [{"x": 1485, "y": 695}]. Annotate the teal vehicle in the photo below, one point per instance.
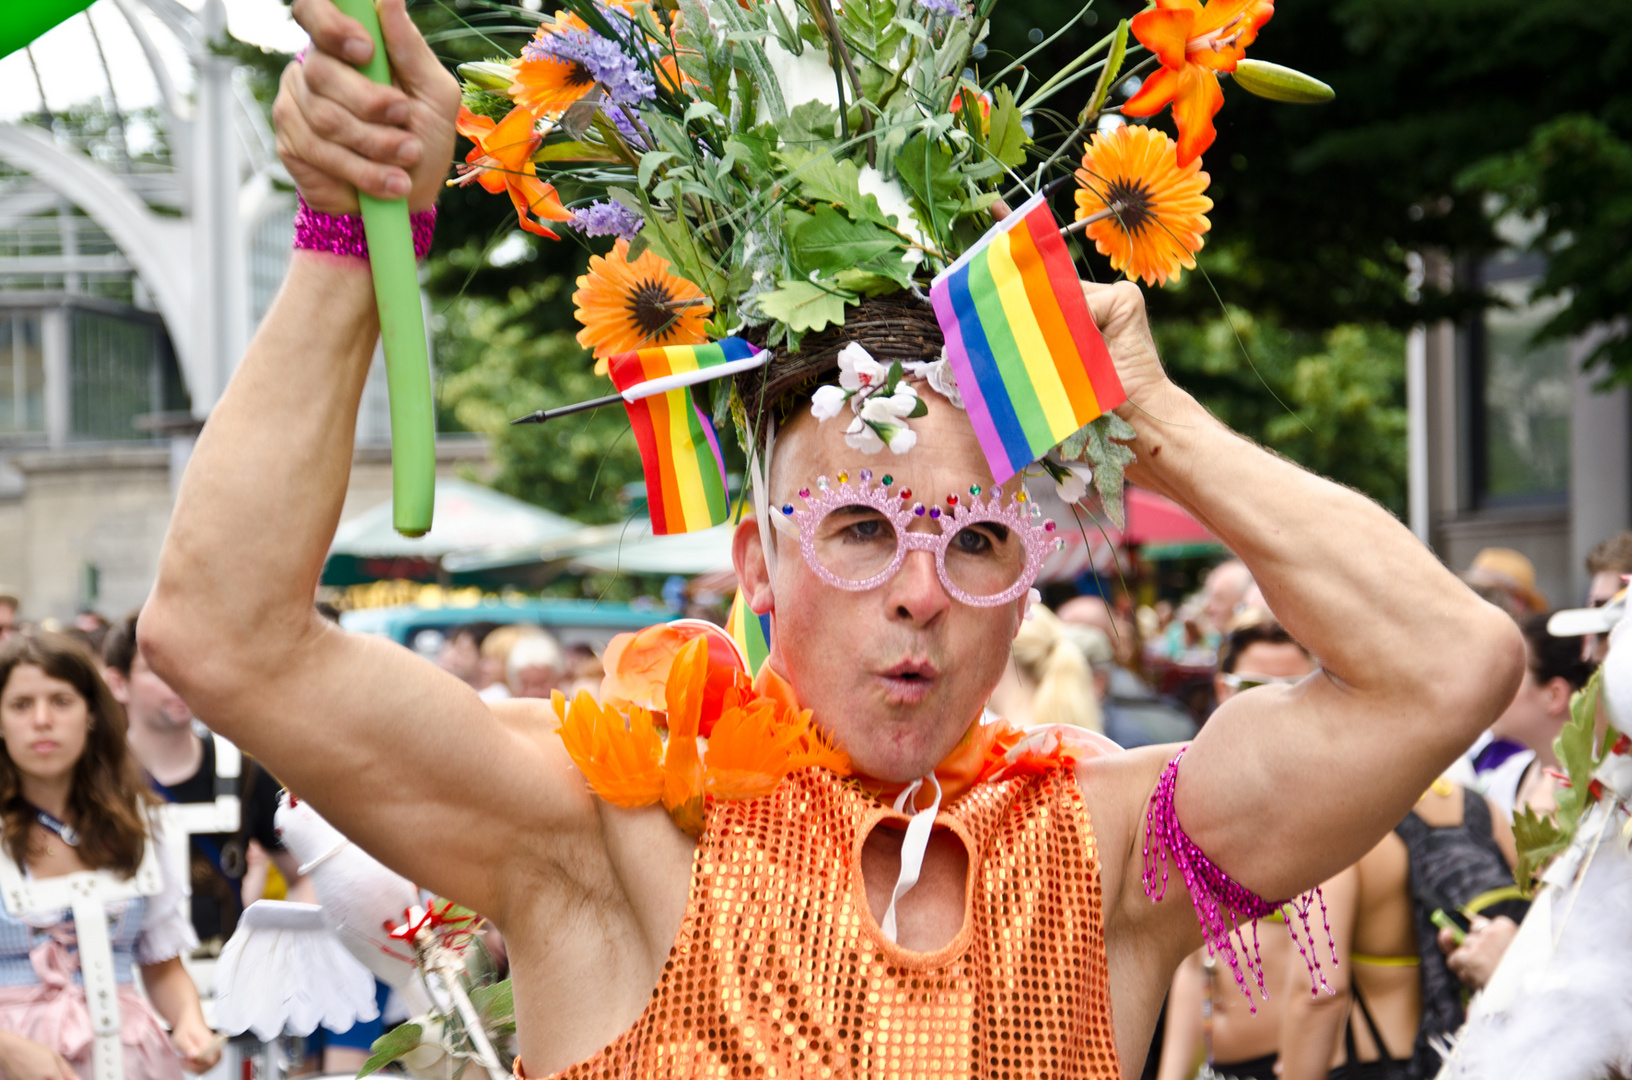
[{"x": 572, "y": 621}]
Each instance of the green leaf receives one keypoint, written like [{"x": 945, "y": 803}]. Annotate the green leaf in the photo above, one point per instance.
[
  {"x": 701, "y": 108},
  {"x": 805, "y": 305},
  {"x": 674, "y": 241},
  {"x": 810, "y": 126},
  {"x": 1108, "y": 73},
  {"x": 1110, "y": 459},
  {"x": 925, "y": 167},
  {"x": 871, "y": 282},
  {"x": 391, "y": 1046},
  {"x": 495, "y": 1003},
  {"x": 1538, "y": 839},
  {"x": 638, "y": 246},
  {"x": 649, "y": 163},
  {"x": 1008, "y": 138},
  {"x": 828, "y": 240}
]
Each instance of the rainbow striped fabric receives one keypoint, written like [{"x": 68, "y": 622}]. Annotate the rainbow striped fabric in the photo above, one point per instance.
[
  {"x": 679, "y": 450},
  {"x": 751, "y": 632},
  {"x": 1030, "y": 363}
]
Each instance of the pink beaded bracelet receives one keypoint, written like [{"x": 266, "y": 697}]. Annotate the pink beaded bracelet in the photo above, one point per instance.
[{"x": 342, "y": 234}]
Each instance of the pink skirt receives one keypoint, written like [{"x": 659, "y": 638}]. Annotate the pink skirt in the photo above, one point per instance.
[{"x": 56, "y": 1016}]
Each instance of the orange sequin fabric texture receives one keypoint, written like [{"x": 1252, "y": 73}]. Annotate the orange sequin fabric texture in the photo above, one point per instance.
[{"x": 779, "y": 969}]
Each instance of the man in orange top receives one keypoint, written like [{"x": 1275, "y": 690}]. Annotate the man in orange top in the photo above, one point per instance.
[{"x": 1285, "y": 786}]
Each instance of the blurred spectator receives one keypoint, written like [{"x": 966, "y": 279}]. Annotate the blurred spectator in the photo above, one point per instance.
[
  {"x": 495, "y": 659},
  {"x": 9, "y": 606},
  {"x": 584, "y": 670},
  {"x": 1257, "y": 652},
  {"x": 1395, "y": 995},
  {"x": 535, "y": 666},
  {"x": 1048, "y": 680},
  {"x": 1541, "y": 708},
  {"x": 1225, "y": 594},
  {"x": 1512, "y": 574},
  {"x": 181, "y": 766},
  {"x": 461, "y": 652},
  {"x": 73, "y": 801},
  {"x": 1609, "y": 563},
  {"x": 1119, "y": 628}
]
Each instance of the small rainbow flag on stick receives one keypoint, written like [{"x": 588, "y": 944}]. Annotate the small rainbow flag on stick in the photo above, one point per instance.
[
  {"x": 679, "y": 450},
  {"x": 751, "y": 632},
  {"x": 1030, "y": 363}
]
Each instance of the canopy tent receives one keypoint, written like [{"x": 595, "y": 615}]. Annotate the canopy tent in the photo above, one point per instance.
[
  {"x": 471, "y": 521},
  {"x": 1157, "y": 526},
  {"x": 624, "y": 548}
]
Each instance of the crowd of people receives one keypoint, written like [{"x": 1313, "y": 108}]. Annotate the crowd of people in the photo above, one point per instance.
[{"x": 95, "y": 740}]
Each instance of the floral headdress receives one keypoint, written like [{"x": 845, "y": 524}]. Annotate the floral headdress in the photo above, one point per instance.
[{"x": 777, "y": 169}]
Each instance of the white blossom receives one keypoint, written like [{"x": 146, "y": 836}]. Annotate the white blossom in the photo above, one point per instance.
[
  {"x": 860, "y": 436},
  {"x": 903, "y": 439},
  {"x": 858, "y": 369},
  {"x": 827, "y": 402},
  {"x": 1074, "y": 485}
]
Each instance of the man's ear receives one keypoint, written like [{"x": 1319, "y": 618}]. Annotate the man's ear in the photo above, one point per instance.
[
  {"x": 1558, "y": 696},
  {"x": 753, "y": 574},
  {"x": 118, "y": 686}
]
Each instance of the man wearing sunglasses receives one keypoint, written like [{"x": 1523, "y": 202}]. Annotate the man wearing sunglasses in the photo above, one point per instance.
[
  {"x": 892, "y": 623},
  {"x": 1257, "y": 651}
]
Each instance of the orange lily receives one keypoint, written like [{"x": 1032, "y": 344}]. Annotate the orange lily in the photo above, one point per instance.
[
  {"x": 501, "y": 161},
  {"x": 1194, "y": 42}
]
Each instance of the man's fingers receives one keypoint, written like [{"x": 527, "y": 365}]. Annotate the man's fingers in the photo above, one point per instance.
[
  {"x": 333, "y": 32},
  {"x": 1000, "y": 210},
  {"x": 380, "y": 143},
  {"x": 297, "y": 140},
  {"x": 412, "y": 60},
  {"x": 356, "y": 92}
]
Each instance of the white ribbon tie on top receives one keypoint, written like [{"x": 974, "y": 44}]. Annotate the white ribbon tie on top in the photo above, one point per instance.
[{"x": 913, "y": 846}]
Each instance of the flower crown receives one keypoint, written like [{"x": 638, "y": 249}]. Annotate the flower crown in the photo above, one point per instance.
[{"x": 764, "y": 167}]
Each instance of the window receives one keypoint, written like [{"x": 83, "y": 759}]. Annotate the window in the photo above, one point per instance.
[
  {"x": 22, "y": 374},
  {"x": 120, "y": 368},
  {"x": 1522, "y": 403}
]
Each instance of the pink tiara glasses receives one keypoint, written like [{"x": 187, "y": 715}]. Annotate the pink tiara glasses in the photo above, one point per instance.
[{"x": 987, "y": 552}]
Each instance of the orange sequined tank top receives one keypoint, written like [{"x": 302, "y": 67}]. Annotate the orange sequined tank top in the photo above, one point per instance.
[{"x": 779, "y": 969}]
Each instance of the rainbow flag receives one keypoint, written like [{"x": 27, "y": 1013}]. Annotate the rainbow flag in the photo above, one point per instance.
[
  {"x": 1030, "y": 363},
  {"x": 679, "y": 449},
  {"x": 751, "y": 632}
]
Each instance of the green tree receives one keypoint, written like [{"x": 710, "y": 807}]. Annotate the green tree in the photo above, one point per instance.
[{"x": 1332, "y": 401}]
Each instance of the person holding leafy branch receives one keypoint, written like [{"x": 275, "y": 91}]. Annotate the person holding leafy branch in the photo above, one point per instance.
[{"x": 834, "y": 862}]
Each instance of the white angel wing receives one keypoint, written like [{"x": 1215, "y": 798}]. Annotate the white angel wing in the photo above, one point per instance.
[{"x": 284, "y": 970}]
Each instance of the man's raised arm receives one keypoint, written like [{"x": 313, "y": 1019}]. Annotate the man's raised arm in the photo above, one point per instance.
[
  {"x": 1285, "y": 786},
  {"x": 391, "y": 749}
]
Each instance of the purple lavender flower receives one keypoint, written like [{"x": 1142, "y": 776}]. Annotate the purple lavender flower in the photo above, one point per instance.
[
  {"x": 607, "y": 219},
  {"x": 942, "y": 7}
]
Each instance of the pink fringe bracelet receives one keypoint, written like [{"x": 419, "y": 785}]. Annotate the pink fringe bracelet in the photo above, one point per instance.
[
  {"x": 342, "y": 234},
  {"x": 1223, "y": 904}
]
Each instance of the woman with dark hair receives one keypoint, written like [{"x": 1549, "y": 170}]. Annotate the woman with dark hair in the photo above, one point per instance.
[{"x": 73, "y": 803}]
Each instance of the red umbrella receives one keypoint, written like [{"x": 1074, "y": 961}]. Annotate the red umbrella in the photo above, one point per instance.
[
  {"x": 1154, "y": 520},
  {"x": 1157, "y": 525}
]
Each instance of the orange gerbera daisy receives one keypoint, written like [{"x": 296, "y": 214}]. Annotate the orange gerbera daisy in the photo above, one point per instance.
[
  {"x": 625, "y": 305},
  {"x": 548, "y": 86},
  {"x": 501, "y": 161},
  {"x": 1193, "y": 41},
  {"x": 1143, "y": 210}
]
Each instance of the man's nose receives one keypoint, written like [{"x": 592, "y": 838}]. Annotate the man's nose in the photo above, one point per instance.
[{"x": 916, "y": 592}]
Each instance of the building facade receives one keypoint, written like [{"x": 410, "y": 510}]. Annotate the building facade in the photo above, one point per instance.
[{"x": 1512, "y": 443}]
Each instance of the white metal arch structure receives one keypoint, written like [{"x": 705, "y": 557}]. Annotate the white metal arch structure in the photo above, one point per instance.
[{"x": 194, "y": 266}]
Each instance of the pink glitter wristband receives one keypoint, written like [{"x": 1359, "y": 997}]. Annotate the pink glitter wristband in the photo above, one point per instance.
[
  {"x": 342, "y": 234},
  {"x": 1222, "y": 903}
]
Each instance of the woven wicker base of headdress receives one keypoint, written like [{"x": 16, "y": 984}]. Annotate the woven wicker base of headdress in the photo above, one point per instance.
[{"x": 895, "y": 327}]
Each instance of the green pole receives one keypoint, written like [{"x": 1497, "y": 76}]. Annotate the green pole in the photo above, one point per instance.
[
  {"x": 21, "y": 21},
  {"x": 402, "y": 329}
]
